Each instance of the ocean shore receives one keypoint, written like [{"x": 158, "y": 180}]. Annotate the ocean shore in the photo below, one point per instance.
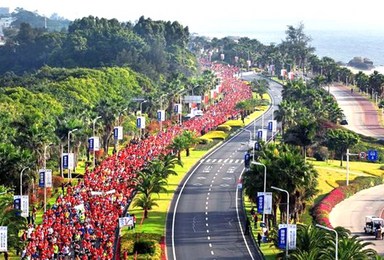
[{"x": 379, "y": 69}]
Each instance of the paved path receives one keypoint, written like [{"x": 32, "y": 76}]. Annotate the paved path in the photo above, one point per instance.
[{"x": 362, "y": 118}]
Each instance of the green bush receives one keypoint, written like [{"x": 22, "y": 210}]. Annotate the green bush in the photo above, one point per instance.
[
  {"x": 144, "y": 247},
  {"x": 321, "y": 154}
]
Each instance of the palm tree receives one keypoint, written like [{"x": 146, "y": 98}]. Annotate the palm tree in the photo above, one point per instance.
[
  {"x": 146, "y": 202},
  {"x": 148, "y": 183},
  {"x": 183, "y": 142}
]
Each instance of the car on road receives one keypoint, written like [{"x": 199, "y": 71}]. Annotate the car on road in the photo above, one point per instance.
[{"x": 372, "y": 223}]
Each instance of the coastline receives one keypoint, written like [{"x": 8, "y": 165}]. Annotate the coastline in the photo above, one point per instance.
[{"x": 354, "y": 70}]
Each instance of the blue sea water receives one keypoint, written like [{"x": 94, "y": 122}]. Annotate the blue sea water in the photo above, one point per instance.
[{"x": 339, "y": 45}]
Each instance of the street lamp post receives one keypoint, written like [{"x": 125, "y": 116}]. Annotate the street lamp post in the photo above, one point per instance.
[
  {"x": 45, "y": 168},
  {"x": 141, "y": 114},
  {"x": 336, "y": 240},
  {"x": 287, "y": 241},
  {"x": 265, "y": 182},
  {"x": 69, "y": 151},
  {"x": 21, "y": 180},
  {"x": 93, "y": 133},
  {"x": 250, "y": 142},
  {"x": 119, "y": 123},
  {"x": 348, "y": 154}
]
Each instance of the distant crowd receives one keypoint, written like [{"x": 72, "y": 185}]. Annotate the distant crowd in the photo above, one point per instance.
[{"x": 82, "y": 222}]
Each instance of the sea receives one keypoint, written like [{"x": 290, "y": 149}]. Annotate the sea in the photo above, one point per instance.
[{"x": 342, "y": 46}]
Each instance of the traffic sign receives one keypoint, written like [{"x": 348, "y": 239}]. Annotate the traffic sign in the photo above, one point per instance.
[
  {"x": 372, "y": 155},
  {"x": 362, "y": 155}
]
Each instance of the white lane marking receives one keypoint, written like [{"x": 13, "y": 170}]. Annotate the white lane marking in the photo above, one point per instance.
[
  {"x": 212, "y": 253},
  {"x": 210, "y": 245},
  {"x": 238, "y": 219},
  {"x": 209, "y": 238},
  {"x": 201, "y": 178}
]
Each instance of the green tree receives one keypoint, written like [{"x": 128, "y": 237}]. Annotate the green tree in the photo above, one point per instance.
[{"x": 339, "y": 140}]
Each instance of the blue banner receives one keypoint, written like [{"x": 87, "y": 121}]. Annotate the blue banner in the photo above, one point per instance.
[
  {"x": 257, "y": 146},
  {"x": 41, "y": 179},
  {"x": 270, "y": 124},
  {"x": 260, "y": 204},
  {"x": 282, "y": 236},
  {"x": 115, "y": 133},
  {"x": 259, "y": 134},
  {"x": 138, "y": 122},
  {"x": 159, "y": 116},
  {"x": 65, "y": 161},
  {"x": 17, "y": 205},
  {"x": 247, "y": 160},
  {"x": 91, "y": 143}
]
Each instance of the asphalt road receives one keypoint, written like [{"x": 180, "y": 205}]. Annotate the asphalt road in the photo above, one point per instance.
[
  {"x": 205, "y": 219},
  {"x": 362, "y": 118}
]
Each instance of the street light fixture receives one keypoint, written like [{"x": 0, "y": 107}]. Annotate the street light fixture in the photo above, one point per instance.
[
  {"x": 69, "y": 151},
  {"x": 336, "y": 240},
  {"x": 93, "y": 133},
  {"x": 287, "y": 241},
  {"x": 141, "y": 106},
  {"x": 21, "y": 180},
  {"x": 265, "y": 181}
]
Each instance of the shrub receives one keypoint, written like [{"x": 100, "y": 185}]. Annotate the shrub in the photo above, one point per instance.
[
  {"x": 216, "y": 135},
  {"x": 224, "y": 128},
  {"x": 204, "y": 140},
  {"x": 57, "y": 181},
  {"x": 321, "y": 210},
  {"x": 144, "y": 247},
  {"x": 321, "y": 154}
]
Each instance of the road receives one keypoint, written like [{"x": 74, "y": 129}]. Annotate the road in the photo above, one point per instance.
[
  {"x": 362, "y": 118},
  {"x": 205, "y": 219},
  {"x": 362, "y": 115}
]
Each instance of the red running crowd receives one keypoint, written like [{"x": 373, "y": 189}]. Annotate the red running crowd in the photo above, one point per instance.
[{"x": 82, "y": 223}]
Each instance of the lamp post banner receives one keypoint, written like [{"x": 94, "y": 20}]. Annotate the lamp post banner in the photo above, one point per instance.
[
  {"x": 292, "y": 234},
  {"x": 94, "y": 143},
  {"x": 41, "y": 178},
  {"x": 264, "y": 202},
  {"x": 260, "y": 202},
  {"x": 21, "y": 203},
  {"x": 160, "y": 115},
  {"x": 3, "y": 238},
  {"x": 282, "y": 236},
  {"x": 118, "y": 133}
]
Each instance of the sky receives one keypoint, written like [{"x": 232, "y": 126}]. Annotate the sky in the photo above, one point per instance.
[{"x": 221, "y": 18}]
